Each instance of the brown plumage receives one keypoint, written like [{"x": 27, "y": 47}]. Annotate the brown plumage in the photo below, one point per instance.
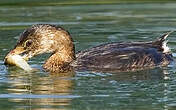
[{"x": 45, "y": 38}]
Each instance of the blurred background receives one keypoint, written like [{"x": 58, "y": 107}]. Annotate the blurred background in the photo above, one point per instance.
[{"x": 90, "y": 23}]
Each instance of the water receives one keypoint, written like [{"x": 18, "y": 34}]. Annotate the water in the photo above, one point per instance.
[{"x": 89, "y": 25}]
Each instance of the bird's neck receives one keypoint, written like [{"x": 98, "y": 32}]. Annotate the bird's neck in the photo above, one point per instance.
[{"x": 60, "y": 61}]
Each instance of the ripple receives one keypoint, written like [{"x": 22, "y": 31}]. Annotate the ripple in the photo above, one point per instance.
[
  {"x": 33, "y": 23},
  {"x": 32, "y": 96}
]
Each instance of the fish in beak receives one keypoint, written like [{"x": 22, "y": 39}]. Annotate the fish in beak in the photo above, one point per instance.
[{"x": 14, "y": 58}]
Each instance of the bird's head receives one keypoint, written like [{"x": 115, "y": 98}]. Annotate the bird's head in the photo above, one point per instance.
[{"x": 39, "y": 39}]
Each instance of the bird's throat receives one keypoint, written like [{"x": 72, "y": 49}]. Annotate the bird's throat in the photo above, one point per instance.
[{"x": 59, "y": 62}]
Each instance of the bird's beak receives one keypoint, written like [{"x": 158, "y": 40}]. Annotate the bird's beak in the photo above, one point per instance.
[{"x": 14, "y": 58}]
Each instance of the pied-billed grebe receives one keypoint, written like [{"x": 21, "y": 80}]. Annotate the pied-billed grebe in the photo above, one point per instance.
[{"x": 46, "y": 38}]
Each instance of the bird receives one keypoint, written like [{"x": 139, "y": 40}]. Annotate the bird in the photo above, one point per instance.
[{"x": 114, "y": 56}]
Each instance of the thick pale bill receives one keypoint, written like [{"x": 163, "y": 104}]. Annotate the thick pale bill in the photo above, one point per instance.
[{"x": 19, "y": 62}]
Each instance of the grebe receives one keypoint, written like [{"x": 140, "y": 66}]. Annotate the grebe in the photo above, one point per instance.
[{"x": 124, "y": 56}]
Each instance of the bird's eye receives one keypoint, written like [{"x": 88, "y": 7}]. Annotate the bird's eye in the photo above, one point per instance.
[{"x": 27, "y": 43}]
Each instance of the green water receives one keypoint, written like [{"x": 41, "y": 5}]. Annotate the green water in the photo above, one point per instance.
[{"x": 89, "y": 26}]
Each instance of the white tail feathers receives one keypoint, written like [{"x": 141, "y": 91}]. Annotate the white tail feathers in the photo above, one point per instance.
[
  {"x": 163, "y": 41},
  {"x": 166, "y": 49}
]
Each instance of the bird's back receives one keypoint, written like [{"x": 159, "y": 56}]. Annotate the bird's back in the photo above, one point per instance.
[{"x": 124, "y": 56}]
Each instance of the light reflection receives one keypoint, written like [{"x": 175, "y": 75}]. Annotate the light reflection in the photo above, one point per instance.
[
  {"x": 38, "y": 84},
  {"x": 165, "y": 98}
]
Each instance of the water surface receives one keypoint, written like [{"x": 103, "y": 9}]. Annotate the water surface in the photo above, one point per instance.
[{"x": 89, "y": 25}]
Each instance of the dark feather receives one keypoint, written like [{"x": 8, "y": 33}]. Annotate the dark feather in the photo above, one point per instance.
[{"x": 124, "y": 56}]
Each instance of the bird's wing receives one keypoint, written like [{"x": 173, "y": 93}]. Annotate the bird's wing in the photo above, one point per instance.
[{"x": 121, "y": 57}]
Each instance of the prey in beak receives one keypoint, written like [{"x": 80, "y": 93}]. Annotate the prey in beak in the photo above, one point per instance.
[{"x": 15, "y": 58}]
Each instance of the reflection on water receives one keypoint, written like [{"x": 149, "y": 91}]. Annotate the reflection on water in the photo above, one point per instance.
[
  {"x": 89, "y": 25},
  {"x": 43, "y": 91},
  {"x": 37, "y": 90}
]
